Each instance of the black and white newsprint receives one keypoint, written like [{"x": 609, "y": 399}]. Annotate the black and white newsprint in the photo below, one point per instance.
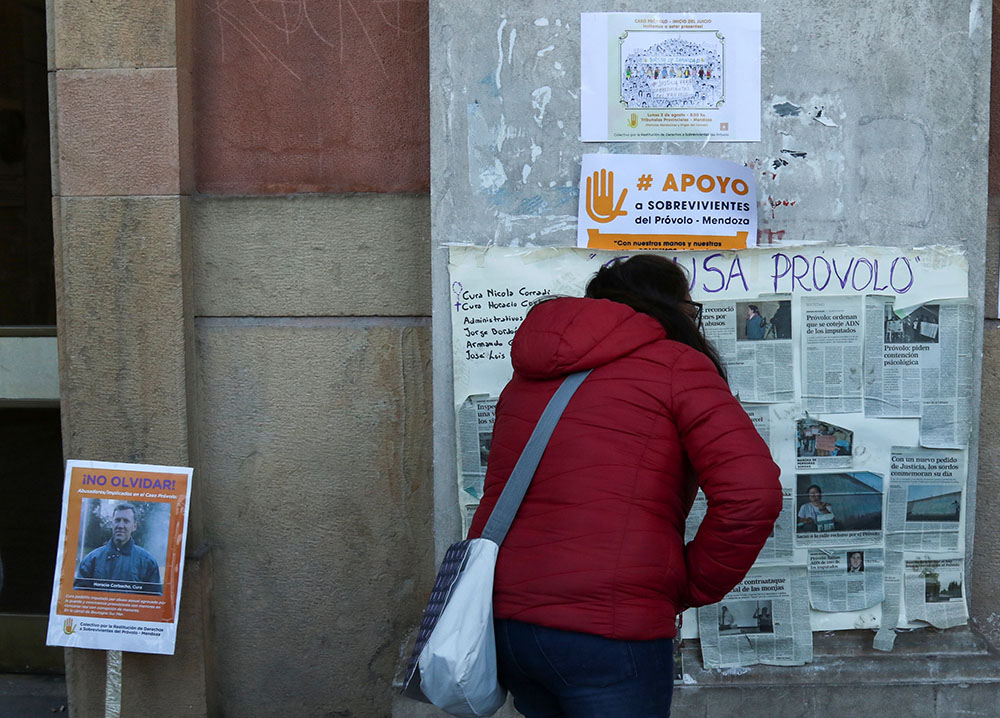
[
  {"x": 846, "y": 579},
  {"x": 754, "y": 340},
  {"x": 765, "y": 619},
  {"x": 832, "y": 341},
  {"x": 926, "y": 499},
  {"x": 475, "y": 432},
  {"x": 918, "y": 363},
  {"x": 934, "y": 590}
]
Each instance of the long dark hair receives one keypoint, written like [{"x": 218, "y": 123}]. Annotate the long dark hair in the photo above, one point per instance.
[{"x": 658, "y": 287}]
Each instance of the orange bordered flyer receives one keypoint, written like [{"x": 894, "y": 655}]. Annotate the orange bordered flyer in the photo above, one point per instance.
[{"x": 120, "y": 560}]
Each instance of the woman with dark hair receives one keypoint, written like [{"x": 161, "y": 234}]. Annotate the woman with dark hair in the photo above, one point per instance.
[
  {"x": 594, "y": 568},
  {"x": 816, "y": 514}
]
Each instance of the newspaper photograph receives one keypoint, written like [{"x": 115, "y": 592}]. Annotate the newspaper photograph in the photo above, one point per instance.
[
  {"x": 841, "y": 509},
  {"x": 933, "y": 590},
  {"x": 754, "y": 340},
  {"x": 764, "y": 619},
  {"x": 821, "y": 445},
  {"x": 475, "y": 432},
  {"x": 777, "y": 549},
  {"x": 846, "y": 580},
  {"x": 920, "y": 364},
  {"x": 925, "y": 501},
  {"x": 832, "y": 341}
]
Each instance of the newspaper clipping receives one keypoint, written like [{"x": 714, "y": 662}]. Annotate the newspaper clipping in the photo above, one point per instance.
[
  {"x": 475, "y": 432},
  {"x": 821, "y": 445},
  {"x": 920, "y": 364},
  {"x": 754, "y": 340},
  {"x": 765, "y": 619},
  {"x": 933, "y": 590},
  {"x": 760, "y": 415},
  {"x": 839, "y": 509},
  {"x": 926, "y": 498},
  {"x": 846, "y": 580},
  {"x": 831, "y": 358},
  {"x": 854, "y": 364}
]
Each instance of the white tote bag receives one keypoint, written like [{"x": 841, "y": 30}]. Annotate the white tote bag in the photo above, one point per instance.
[
  {"x": 454, "y": 661},
  {"x": 458, "y": 665}
]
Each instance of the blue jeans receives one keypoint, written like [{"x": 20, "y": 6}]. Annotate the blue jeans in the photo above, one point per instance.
[{"x": 562, "y": 674}]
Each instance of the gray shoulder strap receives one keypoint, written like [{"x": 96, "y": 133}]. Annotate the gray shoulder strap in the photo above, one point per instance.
[{"x": 517, "y": 485}]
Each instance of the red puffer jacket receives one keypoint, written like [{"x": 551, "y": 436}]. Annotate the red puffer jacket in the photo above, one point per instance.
[{"x": 598, "y": 543}]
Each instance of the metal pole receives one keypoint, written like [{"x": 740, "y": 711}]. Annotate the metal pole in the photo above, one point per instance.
[{"x": 113, "y": 686}]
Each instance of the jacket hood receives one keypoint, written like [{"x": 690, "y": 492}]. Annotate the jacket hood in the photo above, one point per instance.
[{"x": 568, "y": 334}]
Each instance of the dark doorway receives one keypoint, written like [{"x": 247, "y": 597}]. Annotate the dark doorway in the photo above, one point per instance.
[{"x": 30, "y": 436}]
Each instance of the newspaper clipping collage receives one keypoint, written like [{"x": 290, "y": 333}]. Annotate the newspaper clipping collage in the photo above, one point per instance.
[{"x": 854, "y": 364}]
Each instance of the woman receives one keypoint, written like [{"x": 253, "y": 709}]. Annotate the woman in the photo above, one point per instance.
[
  {"x": 755, "y": 322},
  {"x": 726, "y": 619},
  {"x": 855, "y": 562},
  {"x": 594, "y": 569},
  {"x": 817, "y": 514},
  {"x": 765, "y": 623}
]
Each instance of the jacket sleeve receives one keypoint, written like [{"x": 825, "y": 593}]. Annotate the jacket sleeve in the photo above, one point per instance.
[{"x": 734, "y": 469}]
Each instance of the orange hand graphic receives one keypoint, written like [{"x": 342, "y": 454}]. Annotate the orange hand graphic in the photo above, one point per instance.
[
  {"x": 633, "y": 120},
  {"x": 601, "y": 205}
]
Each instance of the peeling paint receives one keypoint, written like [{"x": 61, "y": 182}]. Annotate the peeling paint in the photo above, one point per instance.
[
  {"x": 510, "y": 45},
  {"x": 496, "y": 77},
  {"x": 544, "y": 50},
  {"x": 787, "y": 109},
  {"x": 535, "y": 151},
  {"x": 491, "y": 179},
  {"x": 501, "y": 133},
  {"x": 525, "y": 171},
  {"x": 541, "y": 22},
  {"x": 539, "y": 100},
  {"x": 975, "y": 17}
]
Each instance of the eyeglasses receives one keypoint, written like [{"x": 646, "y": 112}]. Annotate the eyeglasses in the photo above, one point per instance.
[{"x": 696, "y": 315}]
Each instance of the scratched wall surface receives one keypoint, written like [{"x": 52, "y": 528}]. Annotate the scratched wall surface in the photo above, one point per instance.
[
  {"x": 874, "y": 131},
  {"x": 306, "y": 96}
]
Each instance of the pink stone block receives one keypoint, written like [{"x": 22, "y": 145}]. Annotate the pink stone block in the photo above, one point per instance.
[
  {"x": 117, "y": 132},
  {"x": 306, "y": 96}
]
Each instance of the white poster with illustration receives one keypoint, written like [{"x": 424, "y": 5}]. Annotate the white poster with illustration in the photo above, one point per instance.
[{"x": 670, "y": 76}]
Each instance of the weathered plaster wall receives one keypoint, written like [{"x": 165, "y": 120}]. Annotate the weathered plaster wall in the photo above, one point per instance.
[
  {"x": 986, "y": 615},
  {"x": 874, "y": 131}
]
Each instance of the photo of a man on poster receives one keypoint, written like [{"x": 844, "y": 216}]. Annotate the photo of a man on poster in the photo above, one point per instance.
[{"x": 120, "y": 564}]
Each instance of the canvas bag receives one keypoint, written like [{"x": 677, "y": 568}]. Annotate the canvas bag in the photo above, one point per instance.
[{"x": 454, "y": 661}]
